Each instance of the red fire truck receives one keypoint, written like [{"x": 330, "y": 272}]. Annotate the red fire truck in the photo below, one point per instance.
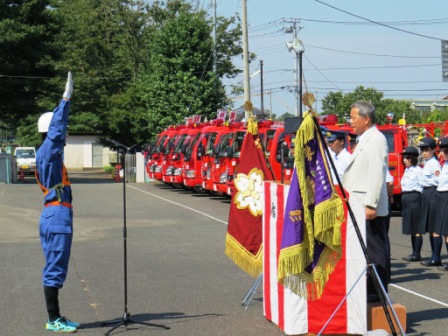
[
  {"x": 195, "y": 154},
  {"x": 158, "y": 151},
  {"x": 218, "y": 165},
  {"x": 172, "y": 164},
  {"x": 274, "y": 139},
  {"x": 211, "y": 150}
]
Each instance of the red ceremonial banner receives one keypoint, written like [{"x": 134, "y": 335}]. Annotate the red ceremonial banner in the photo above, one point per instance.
[{"x": 244, "y": 233}]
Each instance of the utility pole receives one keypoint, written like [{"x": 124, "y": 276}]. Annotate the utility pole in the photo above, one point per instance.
[
  {"x": 247, "y": 103},
  {"x": 261, "y": 88},
  {"x": 215, "y": 53},
  {"x": 295, "y": 45},
  {"x": 296, "y": 71}
]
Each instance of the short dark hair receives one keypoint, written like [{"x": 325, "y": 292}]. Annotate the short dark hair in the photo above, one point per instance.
[
  {"x": 365, "y": 109},
  {"x": 414, "y": 159}
]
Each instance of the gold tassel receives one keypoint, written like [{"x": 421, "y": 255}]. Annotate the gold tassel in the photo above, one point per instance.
[
  {"x": 242, "y": 258},
  {"x": 252, "y": 126}
]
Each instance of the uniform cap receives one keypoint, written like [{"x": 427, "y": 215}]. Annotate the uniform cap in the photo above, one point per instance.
[
  {"x": 427, "y": 142},
  {"x": 44, "y": 122},
  {"x": 443, "y": 143},
  {"x": 410, "y": 151},
  {"x": 335, "y": 136}
]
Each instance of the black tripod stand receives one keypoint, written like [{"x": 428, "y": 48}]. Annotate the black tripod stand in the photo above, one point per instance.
[{"x": 126, "y": 318}]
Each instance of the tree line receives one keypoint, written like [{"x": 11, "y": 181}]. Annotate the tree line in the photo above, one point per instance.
[{"x": 137, "y": 67}]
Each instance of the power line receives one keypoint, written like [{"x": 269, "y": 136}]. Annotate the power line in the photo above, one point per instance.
[
  {"x": 397, "y": 23},
  {"x": 367, "y": 54},
  {"x": 379, "y": 23},
  {"x": 329, "y": 81}
]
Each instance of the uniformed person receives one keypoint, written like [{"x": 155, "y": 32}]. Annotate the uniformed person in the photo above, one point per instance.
[
  {"x": 340, "y": 155},
  {"x": 442, "y": 194},
  {"x": 429, "y": 179},
  {"x": 56, "y": 221},
  {"x": 411, "y": 202}
]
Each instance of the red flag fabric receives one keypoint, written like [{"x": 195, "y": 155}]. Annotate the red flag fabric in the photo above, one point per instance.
[{"x": 244, "y": 234}]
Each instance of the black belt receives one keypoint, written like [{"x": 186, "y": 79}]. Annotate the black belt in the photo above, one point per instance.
[
  {"x": 411, "y": 192},
  {"x": 429, "y": 187},
  {"x": 443, "y": 191}
]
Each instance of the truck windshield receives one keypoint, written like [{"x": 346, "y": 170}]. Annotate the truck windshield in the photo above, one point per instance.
[
  {"x": 210, "y": 143},
  {"x": 25, "y": 154},
  {"x": 390, "y": 141}
]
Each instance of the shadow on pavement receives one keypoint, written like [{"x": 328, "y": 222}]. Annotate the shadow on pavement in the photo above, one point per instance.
[
  {"x": 159, "y": 318},
  {"x": 414, "y": 318}
]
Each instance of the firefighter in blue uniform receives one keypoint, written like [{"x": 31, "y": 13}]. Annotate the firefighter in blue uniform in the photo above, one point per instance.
[{"x": 56, "y": 221}]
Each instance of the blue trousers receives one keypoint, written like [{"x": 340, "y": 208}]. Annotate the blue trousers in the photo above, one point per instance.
[{"x": 56, "y": 234}]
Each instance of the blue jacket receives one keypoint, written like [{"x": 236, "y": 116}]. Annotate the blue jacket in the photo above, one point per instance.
[{"x": 49, "y": 156}]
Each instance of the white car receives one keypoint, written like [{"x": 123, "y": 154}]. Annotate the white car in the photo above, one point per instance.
[{"x": 26, "y": 159}]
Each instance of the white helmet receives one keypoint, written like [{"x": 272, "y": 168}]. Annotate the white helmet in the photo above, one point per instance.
[{"x": 44, "y": 122}]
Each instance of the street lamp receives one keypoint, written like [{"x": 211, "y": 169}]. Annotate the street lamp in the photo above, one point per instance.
[{"x": 299, "y": 49}]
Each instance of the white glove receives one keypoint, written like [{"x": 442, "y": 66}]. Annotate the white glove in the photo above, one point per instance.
[{"x": 68, "y": 86}]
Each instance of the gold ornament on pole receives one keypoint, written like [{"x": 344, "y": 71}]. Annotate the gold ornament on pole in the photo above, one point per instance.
[
  {"x": 248, "y": 106},
  {"x": 308, "y": 100}
]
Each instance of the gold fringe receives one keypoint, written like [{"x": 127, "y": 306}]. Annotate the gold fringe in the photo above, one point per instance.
[
  {"x": 311, "y": 286},
  {"x": 328, "y": 219},
  {"x": 305, "y": 133},
  {"x": 252, "y": 126},
  {"x": 292, "y": 260},
  {"x": 252, "y": 265}
]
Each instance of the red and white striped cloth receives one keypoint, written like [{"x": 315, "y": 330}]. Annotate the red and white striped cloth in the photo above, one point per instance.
[{"x": 295, "y": 315}]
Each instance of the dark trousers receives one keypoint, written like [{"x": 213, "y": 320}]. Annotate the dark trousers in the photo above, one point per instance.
[{"x": 378, "y": 249}]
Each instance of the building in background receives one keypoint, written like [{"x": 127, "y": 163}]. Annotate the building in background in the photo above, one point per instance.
[
  {"x": 85, "y": 151},
  {"x": 430, "y": 105}
]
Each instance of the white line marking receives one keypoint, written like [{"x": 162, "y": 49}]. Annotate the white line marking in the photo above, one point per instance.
[
  {"x": 178, "y": 204},
  {"x": 420, "y": 295},
  {"x": 221, "y": 221}
]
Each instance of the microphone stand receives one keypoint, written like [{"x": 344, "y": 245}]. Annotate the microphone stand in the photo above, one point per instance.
[{"x": 126, "y": 318}]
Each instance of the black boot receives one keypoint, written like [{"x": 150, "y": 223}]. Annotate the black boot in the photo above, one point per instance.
[{"x": 52, "y": 301}]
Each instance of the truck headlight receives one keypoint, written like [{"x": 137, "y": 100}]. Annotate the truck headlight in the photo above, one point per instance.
[
  {"x": 223, "y": 178},
  {"x": 169, "y": 170},
  {"x": 189, "y": 173}
]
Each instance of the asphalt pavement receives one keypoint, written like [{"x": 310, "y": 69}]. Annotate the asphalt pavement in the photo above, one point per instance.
[{"x": 177, "y": 273}]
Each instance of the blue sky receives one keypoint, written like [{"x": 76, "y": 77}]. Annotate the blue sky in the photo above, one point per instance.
[{"x": 343, "y": 51}]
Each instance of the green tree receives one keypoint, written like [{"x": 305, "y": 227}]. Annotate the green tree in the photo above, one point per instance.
[
  {"x": 180, "y": 80},
  {"x": 399, "y": 108},
  {"x": 339, "y": 104},
  {"x": 137, "y": 67},
  {"x": 333, "y": 103},
  {"x": 27, "y": 30}
]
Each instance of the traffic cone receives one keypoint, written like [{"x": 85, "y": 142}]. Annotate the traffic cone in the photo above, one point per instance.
[
  {"x": 21, "y": 175},
  {"x": 117, "y": 173}
]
